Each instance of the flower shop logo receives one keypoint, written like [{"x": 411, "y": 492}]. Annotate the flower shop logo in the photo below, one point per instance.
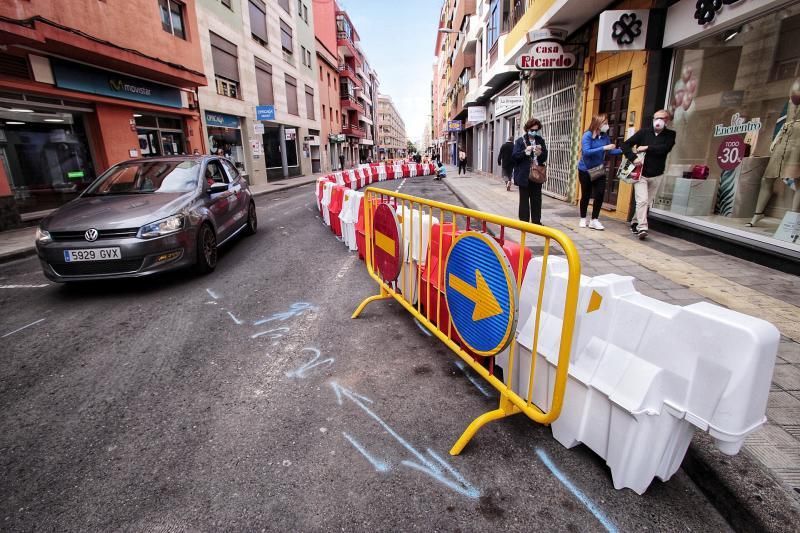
[
  {"x": 738, "y": 125},
  {"x": 119, "y": 85}
]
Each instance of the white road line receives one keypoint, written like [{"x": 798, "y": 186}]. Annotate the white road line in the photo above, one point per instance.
[
  {"x": 212, "y": 294},
  {"x": 23, "y": 327},
  {"x": 24, "y": 286}
]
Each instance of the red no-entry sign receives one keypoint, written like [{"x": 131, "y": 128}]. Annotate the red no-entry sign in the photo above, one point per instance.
[{"x": 386, "y": 243}]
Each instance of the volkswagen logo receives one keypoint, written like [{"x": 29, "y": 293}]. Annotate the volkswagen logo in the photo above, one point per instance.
[{"x": 90, "y": 235}]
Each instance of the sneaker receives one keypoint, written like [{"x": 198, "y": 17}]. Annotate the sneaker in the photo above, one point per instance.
[
  {"x": 642, "y": 233},
  {"x": 582, "y": 223},
  {"x": 508, "y": 185},
  {"x": 595, "y": 224},
  {"x": 635, "y": 228}
]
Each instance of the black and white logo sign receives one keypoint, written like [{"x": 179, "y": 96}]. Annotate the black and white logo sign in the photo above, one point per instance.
[
  {"x": 706, "y": 10},
  {"x": 90, "y": 235},
  {"x": 626, "y": 29}
]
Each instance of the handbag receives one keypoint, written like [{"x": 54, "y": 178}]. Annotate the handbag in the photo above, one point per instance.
[
  {"x": 597, "y": 172},
  {"x": 629, "y": 172},
  {"x": 537, "y": 173}
]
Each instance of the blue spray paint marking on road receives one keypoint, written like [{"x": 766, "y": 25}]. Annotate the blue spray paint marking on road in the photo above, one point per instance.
[
  {"x": 379, "y": 465},
  {"x": 610, "y": 527},
  {"x": 274, "y": 334},
  {"x": 296, "y": 309},
  {"x": 423, "y": 328},
  {"x": 236, "y": 320},
  {"x": 212, "y": 294},
  {"x": 478, "y": 385},
  {"x": 301, "y": 372},
  {"x": 460, "y": 485}
]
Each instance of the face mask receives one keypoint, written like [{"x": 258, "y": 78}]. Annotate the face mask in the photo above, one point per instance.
[
  {"x": 659, "y": 124},
  {"x": 533, "y": 132},
  {"x": 604, "y": 128}
]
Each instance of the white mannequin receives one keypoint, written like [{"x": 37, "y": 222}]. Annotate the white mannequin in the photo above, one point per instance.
[{"x": 785, "y": 159}]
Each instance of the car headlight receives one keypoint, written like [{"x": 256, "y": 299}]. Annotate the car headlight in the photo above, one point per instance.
[
  {"x": 43, "y": 236},
  {"x": 161, "y": 227}
]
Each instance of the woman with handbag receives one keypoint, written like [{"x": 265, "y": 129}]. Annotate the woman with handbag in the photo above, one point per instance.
[
  {"x": 595, "y": 143},
  {"x": 530, "y": 173}
]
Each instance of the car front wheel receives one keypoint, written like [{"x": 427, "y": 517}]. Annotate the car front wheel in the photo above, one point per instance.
[{"x": 206, "y": 249}]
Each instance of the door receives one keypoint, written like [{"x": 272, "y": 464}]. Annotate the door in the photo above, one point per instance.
[
  {"x": 223, "y": 204},
  {"x": 238, "y": 188},
  {"x": 614, "y": 97}
]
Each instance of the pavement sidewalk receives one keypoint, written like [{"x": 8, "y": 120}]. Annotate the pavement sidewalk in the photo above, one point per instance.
[
  {"x": 679, "y": 272},
  {"x": 18, "y": 243}
]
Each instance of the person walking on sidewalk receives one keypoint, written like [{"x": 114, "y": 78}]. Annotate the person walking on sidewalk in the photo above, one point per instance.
[
  {"x": 462, "y": 160},
  {"x": 528, "y": 150},
  {"x": 649, "y": 147},
  {"x": 595, "y": 144},
  {"x": 506, "y": 162}
]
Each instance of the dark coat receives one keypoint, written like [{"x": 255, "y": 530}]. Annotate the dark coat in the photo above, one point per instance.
[
  {"x": 522, "y": 162},
  {"x": 504, "y": 158},
  {"x": 658, "y": 148}
]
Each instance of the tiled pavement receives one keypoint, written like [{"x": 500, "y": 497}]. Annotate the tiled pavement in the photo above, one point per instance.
[{"x": 679, "y": 272}]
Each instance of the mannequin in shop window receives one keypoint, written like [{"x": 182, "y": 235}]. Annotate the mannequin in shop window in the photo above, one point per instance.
[{"x": 784, "y": 162}]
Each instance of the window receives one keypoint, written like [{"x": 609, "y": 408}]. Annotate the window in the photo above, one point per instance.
[
  {"x": 285, "y": 5},
  {"x": 323, "y": 112},
  {"x": 233, "y": 174},
  {"x": 305, "y": 14},
  {"x": 308, "y": 58},
  {"x": 258, "y": 21},
  {"x": 493, "y": 28},
  {"x": 320, "y": 73},
  {"x": 266, "y": 95},
  {"x": 215, "y": 174},
  {"x": 286, "y": 38},
  {"x": 329, "y": 79},
  {"x": 310, "y": 102},
  {"x": 227, "y": 3},
  {"x": 303, "y": 55},
  {"x": 226, "y": 68},
  {"x": 291, "y": 95},
  {"x": 172, "y": 17}
]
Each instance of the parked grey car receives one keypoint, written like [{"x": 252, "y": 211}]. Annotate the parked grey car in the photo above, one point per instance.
[{"x": 145, "y": 216}]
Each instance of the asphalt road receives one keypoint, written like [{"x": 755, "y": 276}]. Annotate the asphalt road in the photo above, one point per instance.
[{"x": 248, "y": 399}]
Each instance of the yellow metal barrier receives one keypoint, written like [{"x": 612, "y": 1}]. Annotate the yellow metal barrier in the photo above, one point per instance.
[{"x": 405, "y": 293}]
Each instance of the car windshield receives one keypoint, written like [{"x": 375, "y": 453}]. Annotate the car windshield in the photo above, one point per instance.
[{"x": 145, "y": 177}]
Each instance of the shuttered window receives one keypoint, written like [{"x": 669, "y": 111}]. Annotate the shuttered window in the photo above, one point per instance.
[
  {"x": 310, "y": 102},
  {"x": 284, "y": 4},
  {"x": 266, "y": 94},
  {"x": 223, "y": 54},
  {"x": 258, "y": 20},
  {"x": 286, "y": 38},
  {"x": 291, "y": 96}
]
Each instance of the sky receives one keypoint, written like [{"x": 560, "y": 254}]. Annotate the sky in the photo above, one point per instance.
[{"x": 399, "y": 39}]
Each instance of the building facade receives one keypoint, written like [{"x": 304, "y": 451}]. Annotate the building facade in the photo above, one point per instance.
[
  {"x": 260, "y": 53},
  {"x": 328, "y": 60},
  {"x": 391, "y": 129},
  {"x": 78, "y": 97}
]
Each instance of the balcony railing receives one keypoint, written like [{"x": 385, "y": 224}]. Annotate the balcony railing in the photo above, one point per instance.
[
  {"x": 354, "y": 131},
  {"x": 348, "y": 72},
  {"x": 518, "y": 10},
  {"x": 351, "y": 102}
]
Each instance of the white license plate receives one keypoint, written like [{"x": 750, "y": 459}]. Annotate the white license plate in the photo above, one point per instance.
[{"x": 92, "y": 254}]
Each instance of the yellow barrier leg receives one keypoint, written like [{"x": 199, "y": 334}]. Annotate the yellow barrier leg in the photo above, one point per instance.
[
  {"x": 506, "y": 409},
  {"x": 382, "y": 296}
]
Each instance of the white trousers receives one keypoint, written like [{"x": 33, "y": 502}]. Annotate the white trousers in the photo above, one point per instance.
[{"x": 644, "y": 191}]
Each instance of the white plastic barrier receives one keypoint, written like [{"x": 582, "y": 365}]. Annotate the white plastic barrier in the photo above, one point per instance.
[
  {"x": 364, "y": 178},
  {"x": 349, "y": 217},
  {"x": 426, "y": 169},
  {"x": 644, "y": 374},
  {"x": 398, "y": 171},
  {"x": 412, "y": 170},
  {"x": 320, "y": 183},
  {"x": 416, "y": 246},
  {"x": 381, "y": 172},
  {"x": 339, "y": 178},
  {"x": 327, "y": 189},
  {"x": 351, "y": 174}
]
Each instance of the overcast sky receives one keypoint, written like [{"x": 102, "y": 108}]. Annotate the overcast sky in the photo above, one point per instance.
[{"x": 399, "y": 38}]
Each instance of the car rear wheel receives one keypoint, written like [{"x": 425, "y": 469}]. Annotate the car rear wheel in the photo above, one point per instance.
[
  {"x": 206, "y": 249},
  {"x": 252, "y": 220}
]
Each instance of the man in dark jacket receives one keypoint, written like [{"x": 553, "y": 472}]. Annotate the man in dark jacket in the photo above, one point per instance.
[
  {"x": 506, "y": 162},
  {"x": 649, "y": 147},
  {"x": 528, "y": 150}
]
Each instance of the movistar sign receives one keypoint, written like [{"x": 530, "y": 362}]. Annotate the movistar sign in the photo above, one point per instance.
[{"x": 102, "y": 82}]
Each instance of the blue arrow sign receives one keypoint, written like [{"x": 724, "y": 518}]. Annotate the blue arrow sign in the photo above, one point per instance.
[{"x": 481, "y": 293}]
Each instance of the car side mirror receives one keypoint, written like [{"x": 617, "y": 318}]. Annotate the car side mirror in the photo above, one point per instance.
[{"x": 217, "y": 188}]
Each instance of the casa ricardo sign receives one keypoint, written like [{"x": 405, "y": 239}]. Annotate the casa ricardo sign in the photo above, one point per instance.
[{"x": 547, "y": 55}]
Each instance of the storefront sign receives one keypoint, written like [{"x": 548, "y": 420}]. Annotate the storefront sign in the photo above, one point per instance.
[
  {"x": 738, "y": 125},
  {"x": 453, "y": 125},
  {"x": 337, "y": 137},
  {"x": 623, "y": 30},
  {"x": 265, "y": 112},
  {"x": 506, "y": 103},
  {"x": 255, "y": 147},
  {"x": 546, "y": 55},
  {"x": 258, "y": 128},
  {"x": 221, "y": 120},
  {"x": 689, "y": 19},
  {"x": 311, "y": 139},
  {"x": 708, "y": 9},
  {"x": 101, "y": 82},
  {"x": 290, "y": 134},
  {"x": 476, "y": 114},
  {"x": 730, "y": 152},
  {"x": 547, "y": 34}
]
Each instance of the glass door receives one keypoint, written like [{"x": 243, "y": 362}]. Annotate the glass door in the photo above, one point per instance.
[{"x": 614, "y": 103}]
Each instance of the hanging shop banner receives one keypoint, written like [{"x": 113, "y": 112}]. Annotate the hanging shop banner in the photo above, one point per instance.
[
  {"x": 547, "y": 55},
  {"x": 623, "y": 30},
  {"x": 453, "y": 125},
  {"x": 476, "y": 114},
  {"x": 504, "y": 104}
]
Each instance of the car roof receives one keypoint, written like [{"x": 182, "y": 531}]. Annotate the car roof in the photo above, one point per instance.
[{"x": 190, "y": 157}]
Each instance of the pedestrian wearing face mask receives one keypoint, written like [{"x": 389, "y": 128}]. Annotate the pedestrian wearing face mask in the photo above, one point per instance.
[
  {"x": 595, "y": 144},
  {"x": 649, "y": 147},
  {"x": 529, "y": 150}
]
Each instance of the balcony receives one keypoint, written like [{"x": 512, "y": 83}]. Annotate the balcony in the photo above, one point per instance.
[
  {"x": 347, "y": 47},
  {"x": 348, "y": 72},
  {"x": 354, "y": 131},
  {"x": 350, "y": 102}
]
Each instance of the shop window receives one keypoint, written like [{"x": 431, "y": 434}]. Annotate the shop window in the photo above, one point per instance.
[
  {"x": 310, "y": 103},
  {"x": 266, "y": 95},
  {"x": 258, "y": 21},
  {"x": 735, "y": 97},
  {"x": 286, "y": 38},
  {"x": 291, "y": 96},
  {"x": 226, "y": 68},
  {"x": 172, "y": 17}
]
